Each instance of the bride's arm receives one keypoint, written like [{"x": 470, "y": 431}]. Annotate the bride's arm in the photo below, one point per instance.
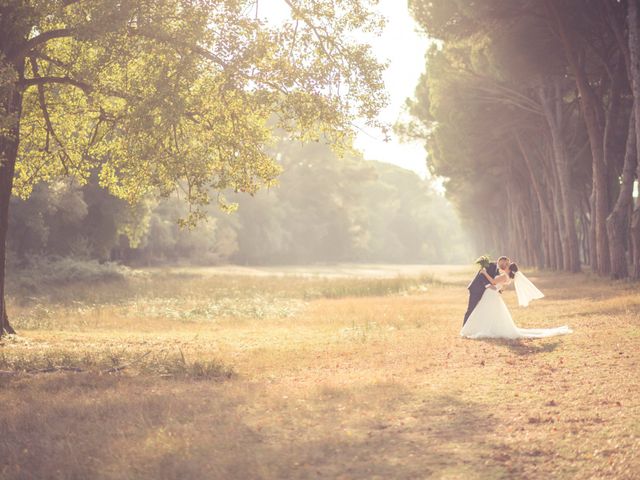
[
  {"x": 499, "y": 280},
  {"x": 488, "y": 277}
]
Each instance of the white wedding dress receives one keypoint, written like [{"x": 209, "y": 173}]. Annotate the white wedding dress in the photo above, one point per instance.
[{"x": 491, "y": 317}]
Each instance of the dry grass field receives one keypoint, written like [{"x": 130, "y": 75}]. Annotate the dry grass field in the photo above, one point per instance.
[{"x": 349, "y": 372}]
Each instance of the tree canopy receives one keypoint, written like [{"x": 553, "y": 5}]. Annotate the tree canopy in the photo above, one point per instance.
[{"x": 169, "y": 94}]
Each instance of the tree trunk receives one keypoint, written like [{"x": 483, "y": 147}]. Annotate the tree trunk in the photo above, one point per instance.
[
  {"x": 539, "y": 195},
  {"x": 533, "y": 229},
  {"x": 584, "y": 237},
  {"x": 633, "y": 19},
  {"x": 12, "y": 33},
  {"x": 618, "y": 221},
  {"x": 11, "y": 103},
  {"x": 590, "y": 111},
  {"x": 552, "y": 107},
  {"x": 559, "y": 223},
  {"x": 613, "y": 157},
  {"x": 550, "y": 176},
  {"x": 593, "y": 253}
]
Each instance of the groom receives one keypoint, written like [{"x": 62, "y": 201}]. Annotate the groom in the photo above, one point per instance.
[{"x": 480, "y": 282}]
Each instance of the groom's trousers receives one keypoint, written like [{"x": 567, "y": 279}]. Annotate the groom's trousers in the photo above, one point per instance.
[{"x": 474, "y": 298}]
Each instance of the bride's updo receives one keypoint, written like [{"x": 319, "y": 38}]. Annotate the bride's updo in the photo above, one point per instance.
[{"x": 513, "y": 268}]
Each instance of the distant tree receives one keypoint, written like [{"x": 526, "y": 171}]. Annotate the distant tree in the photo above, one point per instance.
[
  {"x": 329, "y": 209},
  {"x": 63, "y": 218},
  {"x": 325, "y": 209}
]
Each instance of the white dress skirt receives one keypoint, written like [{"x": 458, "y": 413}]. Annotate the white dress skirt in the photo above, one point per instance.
[{"x": 491, "y": 319}]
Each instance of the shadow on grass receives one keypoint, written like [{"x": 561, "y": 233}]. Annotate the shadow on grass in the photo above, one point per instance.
[
  {"x": 523, "y": 347},
  {"x": 607, "y": 310},
  {"x": 91, "y": 427},
  {"x": 403, "y": 439}
]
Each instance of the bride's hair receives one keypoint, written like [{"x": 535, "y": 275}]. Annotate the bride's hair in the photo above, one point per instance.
[{"x": 513, "y": 268}]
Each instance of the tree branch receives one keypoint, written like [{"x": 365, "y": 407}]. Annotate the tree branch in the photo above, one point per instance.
[
  {"x": 203, "y": 52},
  {"x": 315, "y": 31},
  {"x": 52, "y": 61},
  {"x": 29, "y": 82},
  {"x": 44, "y": 37},
  {"x": 47, "y": 118}
]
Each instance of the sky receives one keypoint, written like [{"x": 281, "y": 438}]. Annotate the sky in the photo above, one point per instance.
[{"x": 404, "y": 47}]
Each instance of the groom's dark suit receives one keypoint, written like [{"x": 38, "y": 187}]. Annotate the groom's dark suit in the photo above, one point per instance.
[{"x": 477, "y": 288}]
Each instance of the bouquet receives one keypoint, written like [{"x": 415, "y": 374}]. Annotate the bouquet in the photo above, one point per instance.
[{"x": 483, "y": 261}]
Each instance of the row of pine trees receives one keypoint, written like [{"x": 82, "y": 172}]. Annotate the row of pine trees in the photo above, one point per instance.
[{"x": 532, "y": 110}]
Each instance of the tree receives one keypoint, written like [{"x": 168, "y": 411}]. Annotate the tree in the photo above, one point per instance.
[
  {"x": 633, "y": 22},
  {"x": 160, "y": 95}
]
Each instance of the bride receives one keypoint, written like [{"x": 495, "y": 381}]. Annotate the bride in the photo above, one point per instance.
[{"x": 491, "y": 317}]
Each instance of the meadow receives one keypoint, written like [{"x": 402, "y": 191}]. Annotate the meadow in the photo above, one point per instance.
[{"x": 317, "y": 372}]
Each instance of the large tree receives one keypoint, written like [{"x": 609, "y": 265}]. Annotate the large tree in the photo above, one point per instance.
[{"x": 160, "y": 95}]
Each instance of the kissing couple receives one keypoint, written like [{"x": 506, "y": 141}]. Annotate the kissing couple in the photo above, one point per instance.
[{"x": 488, "y": 316}]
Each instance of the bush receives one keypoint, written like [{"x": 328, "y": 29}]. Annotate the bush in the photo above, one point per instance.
[{"x": 64, "y": 270}]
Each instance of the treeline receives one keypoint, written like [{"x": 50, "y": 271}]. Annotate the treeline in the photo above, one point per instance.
[
  {"x": 532, "y": 110},
  {"x": 325, "y": 209}
]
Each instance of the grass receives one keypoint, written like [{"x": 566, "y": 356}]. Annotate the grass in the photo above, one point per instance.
[{"x": 209, "y": 374}]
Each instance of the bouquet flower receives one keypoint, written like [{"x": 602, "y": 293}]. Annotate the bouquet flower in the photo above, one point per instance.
[{"x": 483, "y": 261}]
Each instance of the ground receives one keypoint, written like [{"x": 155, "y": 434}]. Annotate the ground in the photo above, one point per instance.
[{"x": 326, "y": 372}]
